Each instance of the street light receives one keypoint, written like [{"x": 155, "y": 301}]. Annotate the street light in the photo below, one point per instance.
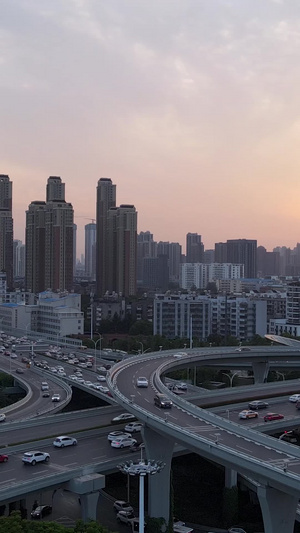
[
  {"x": 141, "y": 469},
  {"x": 95, "y": 346},
  {"x": 231, "y": 377},
  {"x": 280, "y": 374}
]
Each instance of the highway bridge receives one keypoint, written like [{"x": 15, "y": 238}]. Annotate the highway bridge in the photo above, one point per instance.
[{"x": 274, "y": 465}]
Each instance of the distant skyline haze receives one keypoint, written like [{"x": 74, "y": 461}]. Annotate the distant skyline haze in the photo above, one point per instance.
[{"x": 191, "y": 107}]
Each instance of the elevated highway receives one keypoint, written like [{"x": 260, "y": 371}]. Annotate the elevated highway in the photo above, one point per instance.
[{"x": 275, "y": 466}]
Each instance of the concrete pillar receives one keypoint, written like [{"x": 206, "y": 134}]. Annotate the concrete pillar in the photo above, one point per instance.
[
  {"x": 89, "y": 504},
  {"x": 260, "y": 371},
  {"x": 230, "y": 478},
  {"x": 159, "y": 448},
  {"x": 278, "y": 510},
  {"x": 87, "y": 487}
]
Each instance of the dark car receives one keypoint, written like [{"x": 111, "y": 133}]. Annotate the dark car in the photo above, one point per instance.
[
  {"x": 3, "y": 458},
  {"x": 160, "y": 400},
  {"x": 258, "y": 404},
  {"x": 298, "y": 405},
  {"x": 272, "y": 416},
  {"x": 137, "y": 447},
  {"x": 40, "y": 511}
]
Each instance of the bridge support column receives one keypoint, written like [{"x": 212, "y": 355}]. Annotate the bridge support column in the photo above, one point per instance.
[
  {"x": 87, "y": 487},
  {"x": 260, "y": 371},
  {"x": 278, "y": 510},
  {"x": 230, "y": 478},
  {"x": 159, "y": 448}
]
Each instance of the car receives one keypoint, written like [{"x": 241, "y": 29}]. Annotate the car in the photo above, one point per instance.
[
  {"x": 126, "y": 517},
  {"x": 46, "y": 394},
  {"x": 101, "y": 378},
  {"x": 40, "y": 511},
  {"x": 62, "y": 441},
  {"x": 121, "y": 505},
  {"x": 88, "y": 384},
  {"x": 137, "y": 447},
  {"x": 3, "y": 458},
  {"x": 55, "y": 398},
  {"x": 179, "y": 355},
  {"x": 31, "y": 458},
  {"x": 78, "y": 373},
  {"x": 173, "y": 388},
  {"x": 113, "y": 435},
  {"x": 19, "y": 371},
  {"x": 123, "y": 442},
  {"x": 181, "y": 386},
  {"x": 257, "y": 404},
  {"x": 294, "y": 398},
  {"x": 236, "y": 530},
  {"x": 122, "y": 417},
  {"x": 2, "y": 417},
  {"x": 243, "y": 349},
  {"x": 133, "y": 427},
  {"x": 44, "y": 386},
  {"x": 61, "y": 373},
  {"x": 247, "y": 413},
  {"x": 13, "y": 356},
  {"x": 298, "y": 405},
  {"x": 142, "y": 382},
  {"x": 161, "y": 400},
  {"x": 272, "y": 416}
]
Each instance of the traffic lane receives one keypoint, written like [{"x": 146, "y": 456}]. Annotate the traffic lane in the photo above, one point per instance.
[
  {"x": 36, "y": 402},
  {"x": 93, "y": 418},
  {"x": 209, "y": 431},
  {"x": 278, "y": 405},
  {"x": 91, "y": 450}
]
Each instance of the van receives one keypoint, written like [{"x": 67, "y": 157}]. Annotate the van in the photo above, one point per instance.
[{"x": 44, "y": 386}]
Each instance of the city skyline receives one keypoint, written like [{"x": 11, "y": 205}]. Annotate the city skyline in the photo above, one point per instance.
[{"x": 192, "y": 108}]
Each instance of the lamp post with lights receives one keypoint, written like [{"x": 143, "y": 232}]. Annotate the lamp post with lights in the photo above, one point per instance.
[
  {"x": 141, "y": 468},
  {"x": 95, "y": 347}
]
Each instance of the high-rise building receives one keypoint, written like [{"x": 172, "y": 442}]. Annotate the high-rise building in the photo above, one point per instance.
[
  {"x": 146, "y": 247},
  {"x": 122, "y": 250},
  {"x": 74, "y": 248},
  {"x": 6, "y": 229},
  {"x": 19, "y": 259},
  {"x": 243, "y": 251},
  {"x": 106, "y": 198},
  {"x": 90, "y": 251},
  {"x": 55, "y": 189},
  {"x": 49, "y": 241},
  {"x": 194, "y": 248}
]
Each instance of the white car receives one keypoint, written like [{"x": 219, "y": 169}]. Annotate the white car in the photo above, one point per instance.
[
  {"x": 31, "y": 458},
  {"x": 133, "y": 427},
  {"x": 55, "y": 398},
  {"x": 247, "y": 413},
  {"x": 101, "y": 378},
  {"x": 142, "y": 382},
  {"x": 64, "y": 440},
  {"x": 126, "y": 517},
  {"x": 2, "y": 417},
  {"x": 113, "y": 435},
  {"x": 294, "y": 398},
  {"x": 123, "y": 416},
  {"x": 121, "y": 505},
  {"x": 123, "y": 442},
  {"x": 88, "y": 384},
  {"x": 179, "y": 355}
]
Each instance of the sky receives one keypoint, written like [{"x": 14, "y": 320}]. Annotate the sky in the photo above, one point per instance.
[{"x": 191, "y": 107}]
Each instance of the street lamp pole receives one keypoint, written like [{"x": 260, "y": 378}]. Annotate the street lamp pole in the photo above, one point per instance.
[
  {"x": 95, "y": 353},
  {"x": 141, "y": 468},
  {"x": 231, "y": 377}
]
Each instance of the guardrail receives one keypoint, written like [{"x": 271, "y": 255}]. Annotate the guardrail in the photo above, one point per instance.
[{"x": 266, "y": 471}]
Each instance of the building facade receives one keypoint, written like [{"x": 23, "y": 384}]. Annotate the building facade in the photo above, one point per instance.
[
  {"x": 50, "y": 241},
  {"x": 106, "y": 199},
  {"x": 90, "y": 251},
  {"x": 6, "y": 229}
]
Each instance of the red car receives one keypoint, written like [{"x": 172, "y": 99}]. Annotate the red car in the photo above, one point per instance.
[
  {"x": 3, "y": 458},
  {"x": 272, "y": 416}
]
